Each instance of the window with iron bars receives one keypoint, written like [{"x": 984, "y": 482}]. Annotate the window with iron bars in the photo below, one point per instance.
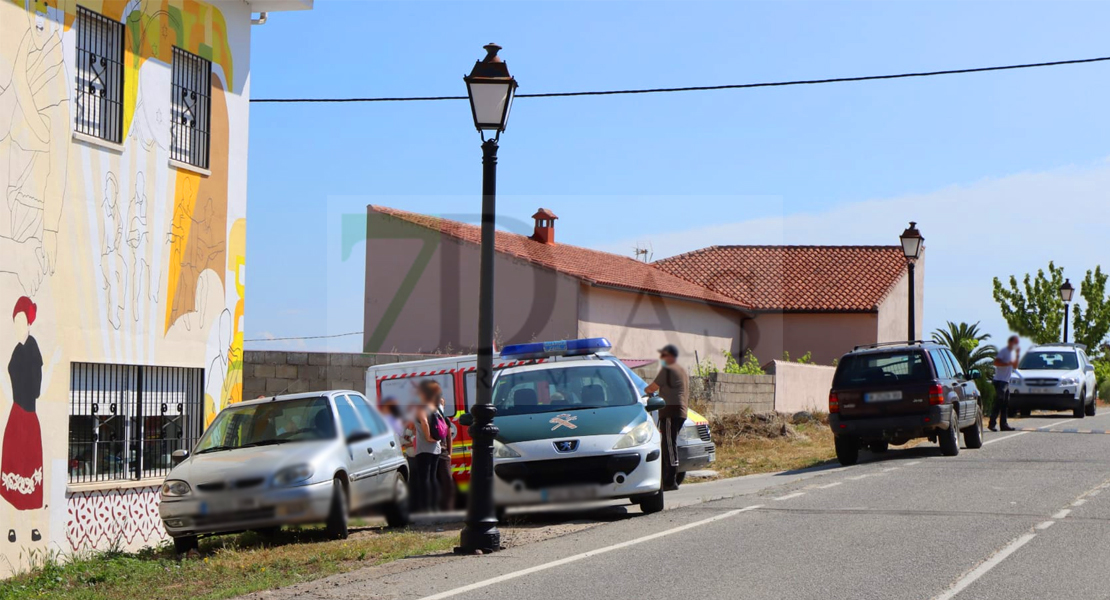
[
  {"x": 99, "y": 94},
  {"x": 125, "y": 421},
  {"x": 190, "y": 103}
]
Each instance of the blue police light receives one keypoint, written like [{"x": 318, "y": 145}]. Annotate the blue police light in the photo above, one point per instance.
[{"x": 559, "y": 348}]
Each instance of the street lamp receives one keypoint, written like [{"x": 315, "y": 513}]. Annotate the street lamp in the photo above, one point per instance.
[
  {"x": 912, "y": 243},
  {"x": 1066, "y": 292},
  {"x": 491, "y": 90}
]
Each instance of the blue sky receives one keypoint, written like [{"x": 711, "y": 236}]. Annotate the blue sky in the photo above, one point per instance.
[{"x": 985, "y": 162}]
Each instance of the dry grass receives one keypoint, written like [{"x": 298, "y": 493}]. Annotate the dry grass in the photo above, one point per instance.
[
  {"x": 226, "y": 566},
  {"x": 767, "y": 443}
]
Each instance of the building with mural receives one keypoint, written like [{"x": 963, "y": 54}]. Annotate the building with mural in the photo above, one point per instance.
[{"x": 123, "y": 154}]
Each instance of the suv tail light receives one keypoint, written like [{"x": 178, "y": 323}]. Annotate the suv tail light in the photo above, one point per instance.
[
  {"x": 834, "y": 403},
  {"x": 936, "y": 394}
]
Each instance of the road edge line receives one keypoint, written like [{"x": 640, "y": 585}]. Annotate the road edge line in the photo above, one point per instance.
[{"x": 992, "y": 562}]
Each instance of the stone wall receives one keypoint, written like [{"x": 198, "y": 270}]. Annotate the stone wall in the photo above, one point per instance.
[
  {"x": 268, "y": 373},
  {"x": 727, "y": 394}
]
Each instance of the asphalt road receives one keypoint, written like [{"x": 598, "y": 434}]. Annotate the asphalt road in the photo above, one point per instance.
[{"x": 1026, "y": 516}]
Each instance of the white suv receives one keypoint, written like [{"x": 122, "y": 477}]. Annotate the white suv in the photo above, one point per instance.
[{"x": 1054, "y": 377}]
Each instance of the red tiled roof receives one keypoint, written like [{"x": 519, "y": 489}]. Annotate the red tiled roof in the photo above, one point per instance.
[
  {"x": 795, "y": 278},
  {"x": 591, "y": 266}
]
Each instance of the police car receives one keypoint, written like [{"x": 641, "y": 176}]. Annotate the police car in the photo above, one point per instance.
[{"x": 573, "y": 427}]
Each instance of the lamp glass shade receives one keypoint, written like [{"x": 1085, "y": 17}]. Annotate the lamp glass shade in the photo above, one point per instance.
[
  {"x": 911, "y": 245},
  {"x": 1066, "y": 291},
  {"x": 490, "y": 101}
]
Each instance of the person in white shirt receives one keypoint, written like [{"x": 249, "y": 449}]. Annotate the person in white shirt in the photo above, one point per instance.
[{"x": 1004, "y": 364}]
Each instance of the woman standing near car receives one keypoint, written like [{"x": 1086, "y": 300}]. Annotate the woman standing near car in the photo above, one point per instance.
[{"x": 425, "y": 489}]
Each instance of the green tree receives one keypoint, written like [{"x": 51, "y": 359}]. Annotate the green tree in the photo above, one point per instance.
[
  {"x": 1033, "y": 310},
  {"x": 1092, "y": 322},
  {"x": 967, "y": 343}
]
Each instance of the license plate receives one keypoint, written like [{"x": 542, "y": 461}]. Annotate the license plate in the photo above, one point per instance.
[
  {"x": 226, "y": 505},
  {"x": 712, "y": 457},
  {"x": 882, "y": 396},
  {"x": 570, "y": 494},
  {"x": 1044, "y": 391}
]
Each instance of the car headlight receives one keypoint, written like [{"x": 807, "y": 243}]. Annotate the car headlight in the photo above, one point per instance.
[
  {"x": 689, "y": 434},
  {"x": 175, "y": 488},
  {"x": 1069, "y": 381},
  {"x": 502, "y": 451},
  {"x": 1015, "y": 379},
  {"x": 293, "y": 475},
  {"x": 637, "y": 436}
]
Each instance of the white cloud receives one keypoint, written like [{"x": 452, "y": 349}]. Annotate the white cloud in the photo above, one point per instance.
[{"x": 995, "y": 227}]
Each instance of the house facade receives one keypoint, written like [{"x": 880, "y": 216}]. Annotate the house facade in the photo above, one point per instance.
[
  {"x": 422, "y": 274},
  {"x": 123, "y": 153}
]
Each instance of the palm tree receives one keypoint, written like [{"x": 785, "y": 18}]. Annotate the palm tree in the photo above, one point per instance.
[{"x": 966, "y": 343}]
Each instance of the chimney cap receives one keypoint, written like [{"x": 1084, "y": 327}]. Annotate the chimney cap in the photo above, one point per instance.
[{"x": 544, "y": 213}]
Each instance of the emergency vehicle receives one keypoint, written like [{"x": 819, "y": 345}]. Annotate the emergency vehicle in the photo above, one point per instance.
[{"x": 573, "y": 425}]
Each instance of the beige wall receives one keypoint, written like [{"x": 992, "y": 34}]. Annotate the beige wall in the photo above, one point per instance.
[
  {"x": 826, "y": 336},
  {"x": 440, "y": 310},
  {"x": 802, "y": 387},
  {"x": 894, "y": 310},
  {"x": 639, "y": 324}
]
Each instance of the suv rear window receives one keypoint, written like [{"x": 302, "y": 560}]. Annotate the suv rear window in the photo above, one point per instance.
[{"x": 882, "y": 368}]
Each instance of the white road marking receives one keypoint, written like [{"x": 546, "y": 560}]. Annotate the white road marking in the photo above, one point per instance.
[
  {"x": 1062, "y": 514},
  {"x": 1025, "y": 432},
  {"x": 789, "y": 496},
  {"x": 1043, "y": 526},
  {"x": 1079, "y": 502},
  {"x": 858, "y": 477},
  {"x": 889, "y": 469},
  {"x": 577, "y": 557},
  {"x": 916, "y": 462},
  {"x": 984, "y": 568},
  {"x": 1095, "y": 492},
  {"x": 829, "y": 485}
]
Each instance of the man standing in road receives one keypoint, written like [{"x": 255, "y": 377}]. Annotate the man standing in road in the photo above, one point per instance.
[
  {"x": 1004, "y": 364},
  {"x": 672, "y": 384}
]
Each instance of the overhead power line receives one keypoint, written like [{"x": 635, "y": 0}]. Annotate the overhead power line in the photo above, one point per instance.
[
  {"x": 309, "y": 337},
  {"x": 700, "y": 88}
]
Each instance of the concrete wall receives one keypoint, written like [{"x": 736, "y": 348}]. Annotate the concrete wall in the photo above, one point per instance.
[
  {"x": 728, "y": 394},
  {"x": 277, "y": 372},
  {"x": 826, "y": 336},
  {"x": 894, "y": 310},
  {"x": 801, "y": 387},
  {"x": 639, "y": 325},
  {"x": 422, "y": 293}
]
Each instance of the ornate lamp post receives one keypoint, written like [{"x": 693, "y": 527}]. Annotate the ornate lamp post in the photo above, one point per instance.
[
  {"x": 1066, "y": 292},
  {"x": 912, "y": 242},
  {"x": 491, "y": 90}
]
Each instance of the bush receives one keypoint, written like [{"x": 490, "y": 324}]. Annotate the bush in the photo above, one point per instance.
[{"x": 1102, "y": 374}]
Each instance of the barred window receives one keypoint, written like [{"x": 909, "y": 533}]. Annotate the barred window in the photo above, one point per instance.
[
  {"x": 99, "y": 76},
  {"x": 125, "y": 421},
  {"x": 189, "y": 108}
]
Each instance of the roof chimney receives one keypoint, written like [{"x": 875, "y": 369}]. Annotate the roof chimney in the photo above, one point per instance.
[{"x": 545, "y": 227}]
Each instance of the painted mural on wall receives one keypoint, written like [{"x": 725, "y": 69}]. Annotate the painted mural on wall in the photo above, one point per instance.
[{"x": 110, "y": 254}]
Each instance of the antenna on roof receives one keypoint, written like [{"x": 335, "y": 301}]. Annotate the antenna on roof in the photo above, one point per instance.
[{"x": 644, "y": 253}]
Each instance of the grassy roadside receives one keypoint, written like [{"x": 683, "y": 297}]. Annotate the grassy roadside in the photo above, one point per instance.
[
  {"x": 226, "y": 566},
  {"x": 805, "y": 445}
]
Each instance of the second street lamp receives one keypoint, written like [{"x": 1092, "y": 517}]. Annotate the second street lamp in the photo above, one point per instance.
[
  {"x": 1066, "y": 292},
  {"x": 491, "y": 90},
  {"x": 912, "y": 243}
]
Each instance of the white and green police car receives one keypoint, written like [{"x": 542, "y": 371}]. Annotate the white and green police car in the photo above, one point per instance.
[{"x": 573, "y": 427}]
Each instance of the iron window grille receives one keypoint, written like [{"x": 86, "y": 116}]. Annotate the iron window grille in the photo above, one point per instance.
[
  {"x": 126, "y": 420},
  {"x": 99, "y": 94},
  {"x": 190, "y": 105}
]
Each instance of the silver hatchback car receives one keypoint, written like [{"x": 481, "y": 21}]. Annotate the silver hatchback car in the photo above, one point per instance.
[{"x": 295, "y": 459}]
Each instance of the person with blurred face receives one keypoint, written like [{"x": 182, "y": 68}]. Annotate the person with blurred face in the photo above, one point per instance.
[
  {"x": 1004, "y": 364},
  {"x": 672, "y": 384},
  {"x": 444, "y": 479},
  {"x": 391, "y": 412},
  {"x": 425, "y": 489}
]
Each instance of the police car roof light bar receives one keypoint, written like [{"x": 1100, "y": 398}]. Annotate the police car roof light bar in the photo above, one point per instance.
[{"x": 560, "y": 348}]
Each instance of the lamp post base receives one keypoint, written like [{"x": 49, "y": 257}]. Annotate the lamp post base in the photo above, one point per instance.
[
  {"x": 479, "y": 542},
  {"x": 480, "y": 536}
]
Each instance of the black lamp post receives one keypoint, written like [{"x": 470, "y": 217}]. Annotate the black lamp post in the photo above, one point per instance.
[
  {"x": 1066, "y": 292},
  {"x": 491, "y": 90},
  {"x": 912, "y": 242}
]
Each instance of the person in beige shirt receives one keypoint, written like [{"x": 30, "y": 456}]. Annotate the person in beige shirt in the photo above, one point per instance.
[{"x": 672, "y": 383}]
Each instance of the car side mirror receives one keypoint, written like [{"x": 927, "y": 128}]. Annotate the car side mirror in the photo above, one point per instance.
[
  {"x": 974, "y": 374},
  {"x": 178, "y": 457},
  {"x": 655, "y": 403},
  {"x": 359, "y": 436},
  {"x": 466, "y": 419},
  {"x": 1089, "y": 368}
]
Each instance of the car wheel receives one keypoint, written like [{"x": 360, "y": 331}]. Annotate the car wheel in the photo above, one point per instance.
[
  {"x": 680, "y": 478},
  {"x": 950, "y": 438},
  {"x": 338, "y": 516},
  {"x": 973, "y": 436},
  {"x": 652, "y": 503},
  {"x": 397, "y": 512},
  {"x": 1080, "y": 411},
  {"x": 847, "y": 450},
  {"x": 1025, "y": 414},
  {"x": 878, "y": 447},
  {"x": 184, "y": 544},
  {"x": 1092, "y": 408}
]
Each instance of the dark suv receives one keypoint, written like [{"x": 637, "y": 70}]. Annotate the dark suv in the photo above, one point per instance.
[{"x": 892, "y": 393}]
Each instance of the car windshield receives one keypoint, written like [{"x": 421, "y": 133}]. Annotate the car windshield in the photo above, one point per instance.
[
  {"x": 1049, "y": 361},
  {"x": 269, "y": 423},
  {"x": 882, "y": 368},
  {"x": 571, "y": 388}
]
